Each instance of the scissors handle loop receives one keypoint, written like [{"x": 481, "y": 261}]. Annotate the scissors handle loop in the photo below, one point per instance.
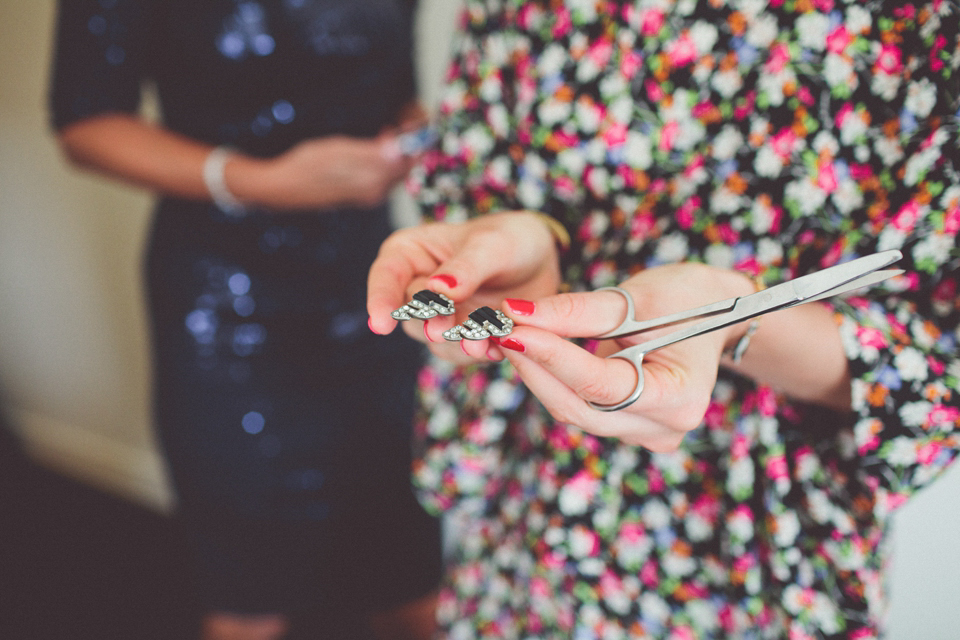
[{"x": 835, "y": 280}]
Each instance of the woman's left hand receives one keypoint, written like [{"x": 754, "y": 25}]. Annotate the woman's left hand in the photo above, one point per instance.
[
  {"x": 678, "y": 380},
  {"x": 476, "y": 263}
]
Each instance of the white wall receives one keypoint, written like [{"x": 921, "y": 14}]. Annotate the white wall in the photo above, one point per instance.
[
  {"x": 925, "y": 577},
  {"x": 73, "y": 363},
  {"x": 73, "y": 367}
]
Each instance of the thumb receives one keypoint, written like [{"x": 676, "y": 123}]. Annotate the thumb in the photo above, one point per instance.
[{"x": 483, "y": 260}]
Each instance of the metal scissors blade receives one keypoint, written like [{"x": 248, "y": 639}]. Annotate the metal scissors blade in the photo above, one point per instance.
[{"x": 828, "y": 282}]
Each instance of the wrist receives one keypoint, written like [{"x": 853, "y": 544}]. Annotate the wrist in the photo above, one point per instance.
[
  {"x": 559, "y": 233},
  {"x": 250, "y": 179}
]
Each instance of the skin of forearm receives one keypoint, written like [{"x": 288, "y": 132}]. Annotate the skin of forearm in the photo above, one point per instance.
[
  {"x": 799, "y": 352},
  {"x": 318, "y": 173},
  {"x": 137, "y": 152},
  {"x": 127, "y": 148}
]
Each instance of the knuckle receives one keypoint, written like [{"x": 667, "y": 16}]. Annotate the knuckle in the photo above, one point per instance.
[
  {"x": 685, "y": 410},
  {"x": 486, "y": 238},
  {"x": 397, "y": 238},
  {"x": 550, "y": 360},
  {"x": 602, "y": 428},
  {"x": 389, "y": 246},
  {"x": 408, "y": 328},
  {"x": 598, "y": 391},
  {"x": 568, "y": 413},
  {"x": 666, "y": 443},
  {"x": 692, "y": 417},
  {"x": 568, "y": 305},
  {"x": 406, "y": 235}
]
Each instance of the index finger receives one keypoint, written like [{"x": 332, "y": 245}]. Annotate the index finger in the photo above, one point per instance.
[
  {"x": 399, "y": 263},
  {"x": 571, "y": 315}
]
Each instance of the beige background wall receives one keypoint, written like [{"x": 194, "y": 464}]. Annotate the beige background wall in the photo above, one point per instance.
[{"x": 73, "y": 366}]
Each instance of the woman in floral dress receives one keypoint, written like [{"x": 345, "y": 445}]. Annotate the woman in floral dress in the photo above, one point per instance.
[{"x": 770, "y": 139}]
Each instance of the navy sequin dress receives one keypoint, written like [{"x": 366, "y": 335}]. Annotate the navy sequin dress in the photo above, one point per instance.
[{"x": 285, "y": 421}]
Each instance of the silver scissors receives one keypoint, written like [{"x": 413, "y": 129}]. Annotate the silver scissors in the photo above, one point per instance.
[{"x": 838, "y": 279}]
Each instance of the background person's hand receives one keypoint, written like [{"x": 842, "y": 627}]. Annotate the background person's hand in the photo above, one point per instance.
[
  {"x": 477, "y": 263},
  {"x": 321, "y": 173},
  {"x": 412, "y": 116},
  {"x": 679, "y": 379}
]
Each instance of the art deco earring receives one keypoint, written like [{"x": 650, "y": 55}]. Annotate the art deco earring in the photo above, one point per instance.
[
  {"x": 482, "y": 323},
  {"x": 425, "y": 304}
]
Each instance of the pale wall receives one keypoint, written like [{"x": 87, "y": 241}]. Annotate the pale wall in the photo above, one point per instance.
[
  {"x": 72, "y": 359},
  {"x": 73, "y": 364}
]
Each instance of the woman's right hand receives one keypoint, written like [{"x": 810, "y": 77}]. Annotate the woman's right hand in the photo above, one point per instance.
[{"x": 321, "y": 173}]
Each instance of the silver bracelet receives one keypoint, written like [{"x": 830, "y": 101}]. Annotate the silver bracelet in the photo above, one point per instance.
[
  {"x": 741, "y": 347},
  {"x": 213, "y": 178}
]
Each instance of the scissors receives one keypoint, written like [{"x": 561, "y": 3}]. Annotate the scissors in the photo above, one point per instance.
[{"x": 835, "y": 280}]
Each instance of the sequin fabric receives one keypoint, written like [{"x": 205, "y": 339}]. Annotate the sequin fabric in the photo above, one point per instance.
[
  {"x": 284, "y": 420},
  {"x": 776, "y": 138}
]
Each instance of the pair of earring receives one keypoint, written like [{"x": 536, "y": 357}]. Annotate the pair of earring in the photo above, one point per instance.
[{"x": 480, "y": 324}]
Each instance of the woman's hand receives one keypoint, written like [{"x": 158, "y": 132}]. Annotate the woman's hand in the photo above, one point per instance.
[
  {"x": 321, "y": 173},
  {"x": 678, "y": 380},
  {"x": 797, "y": 351},
  {"x": 477, "y": 263},
  {"x": 329, "y": 172},
  {"x": 412, "y": 116}
]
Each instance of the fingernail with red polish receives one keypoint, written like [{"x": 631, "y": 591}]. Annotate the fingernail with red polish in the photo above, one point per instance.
[
  {"x": 370, "y": 324},
  {"x": 521, "y": 307},
  {"x": 450, "y": 281},
  {"x": 512, "y": 344},
  {"x": 462, "y": 348},
  {"x": 425, "y": 334}
]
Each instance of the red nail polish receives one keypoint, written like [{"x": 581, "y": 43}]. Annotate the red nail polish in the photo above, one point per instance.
[
  {"x": 462, "y": 348},
  {"x": 425, "y": 334},
  {"x": 513, "y": 345},
  {"x": 521, "y": 307},
  {"x": 450, "y": 281},
  {"x": 370, "y": 324}
]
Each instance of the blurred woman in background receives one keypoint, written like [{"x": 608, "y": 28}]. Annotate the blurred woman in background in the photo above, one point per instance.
[{"x": 284, "y": 422}]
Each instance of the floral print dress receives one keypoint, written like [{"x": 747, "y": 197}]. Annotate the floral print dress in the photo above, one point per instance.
[{"x": 776, "y": 138}]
